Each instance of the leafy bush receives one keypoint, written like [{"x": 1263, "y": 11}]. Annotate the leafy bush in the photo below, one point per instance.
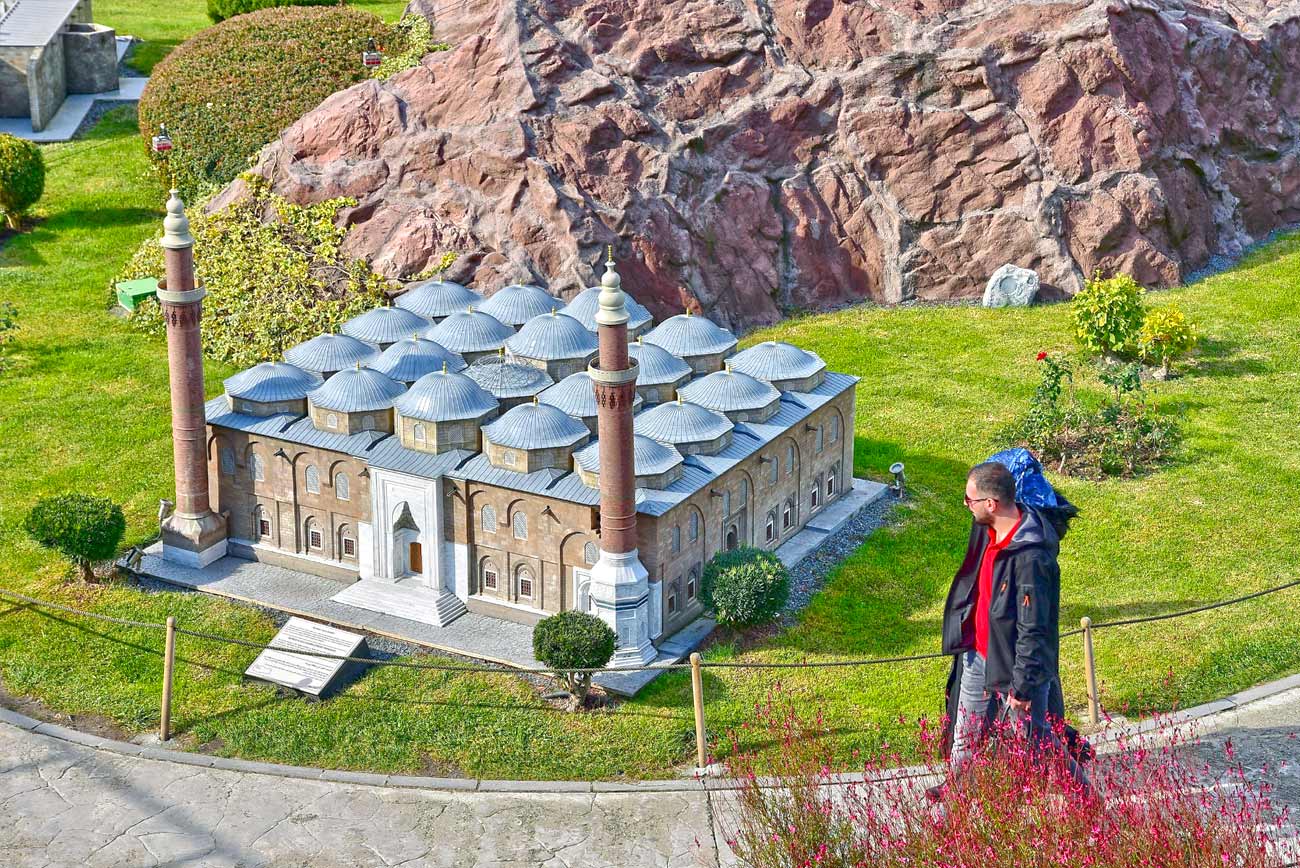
[
  {"x": 574, "y": 640},
  {"x": 745, "y": 586},
  {"x": 220, "y": 10},
  {"x": 271, "y": 283},
  {"x": 22, "y": 178},
  {"x": 235, "y": 86},
  {"x": 411, "y": 40},
  {"x": 83, "y": 528},
  {"x": 1166, "y": 336},
  {"x": 1108, "y": 316}
]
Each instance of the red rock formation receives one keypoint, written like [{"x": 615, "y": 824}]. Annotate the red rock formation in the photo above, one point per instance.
[{"x": 752, "y": 156}]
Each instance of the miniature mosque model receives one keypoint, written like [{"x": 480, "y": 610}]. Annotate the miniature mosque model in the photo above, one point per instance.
[{"x": 514, "y": 456}]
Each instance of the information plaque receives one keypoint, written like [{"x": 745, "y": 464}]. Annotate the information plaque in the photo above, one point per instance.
[{"x": 315, "y": 677}]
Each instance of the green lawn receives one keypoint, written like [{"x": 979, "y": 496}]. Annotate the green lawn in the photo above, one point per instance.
[{"x": 85, "y": 407}]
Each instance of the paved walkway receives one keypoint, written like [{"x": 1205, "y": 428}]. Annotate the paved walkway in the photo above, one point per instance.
[{"x": 70, "y": 804}]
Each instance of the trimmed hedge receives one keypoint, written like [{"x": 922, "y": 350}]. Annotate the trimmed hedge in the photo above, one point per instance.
[
  {"x": 745, "y": 586},
  {"x": 220, "y": 10},
  {"x": 235, "y": 86},
  {"x": 22, "y": 178},
  {"x": 83, "y": 528}
]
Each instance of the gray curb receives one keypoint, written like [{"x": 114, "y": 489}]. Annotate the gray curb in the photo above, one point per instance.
[{"x": 683, "y": 785}]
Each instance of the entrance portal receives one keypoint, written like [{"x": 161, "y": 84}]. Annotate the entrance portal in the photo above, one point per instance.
[{"x": 731, "y": 538}]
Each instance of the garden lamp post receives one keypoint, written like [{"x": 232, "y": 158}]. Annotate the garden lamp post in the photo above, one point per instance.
[{"x": 900, "y": 481}]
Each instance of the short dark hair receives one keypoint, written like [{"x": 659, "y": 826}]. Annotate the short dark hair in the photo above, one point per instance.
[{"x": 992, "y": 479}]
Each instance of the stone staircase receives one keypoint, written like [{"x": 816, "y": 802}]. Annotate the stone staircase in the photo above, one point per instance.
[{"x": 423, "y": 605}]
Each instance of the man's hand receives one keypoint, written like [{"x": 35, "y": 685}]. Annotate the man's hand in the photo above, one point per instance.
[{"x": 1020, "y": 705}]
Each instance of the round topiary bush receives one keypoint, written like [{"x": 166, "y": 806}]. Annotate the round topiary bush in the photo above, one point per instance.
[
  {"x": 220, "y": 10},
  {"x": 83, "y": 528},
  {"x": 745, "y": 586},
  {"x": 237, "y": 85},
  {"x": 574, "y": 640},
  {"x": 1108, "y": 315},
  {"x": 22, "y": 178}
]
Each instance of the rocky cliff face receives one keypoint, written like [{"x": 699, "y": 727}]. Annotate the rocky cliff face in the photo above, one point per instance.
[{"x": 746, "y": 157}]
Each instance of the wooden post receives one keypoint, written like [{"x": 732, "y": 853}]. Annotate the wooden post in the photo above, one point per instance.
[
  {"x": 169, "y": 655},
  {"x": 697, "y": 695},
  {"x": 1090, "y": 669}
]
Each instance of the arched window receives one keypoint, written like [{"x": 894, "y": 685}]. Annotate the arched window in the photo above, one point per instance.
[
  {"x": 693, "y": 583},
  {"x": 227, "y": 461},
  {"x": 695, "y": 526},
  {"x": 331, "y": 421},
  {"x": 367, "y": 423},
  {"x": 672, "y": 595},
  {"x": 342, "y": 488},
  {"x": 772, "y": 470},
  {"x": 770, "y": 530},
  {"x": 259, "y": 468},
  {"x": 418, "y": 432},
  {"x": 787, "y": 515},
  {"x": 821, "y": 438},
  {"x": 261, "y": 524},
  {"x": 590, "y": 553},
  {"x": 650, "y": 396},
  {"x": 789, "y": 458},
  {"x": 677, "y": 537},
  {"x": 744, "y": 493},
  {"x": 315, "y": 540},
  {"x": 488, "y": 518},
  {"x": 520, "y": 523},
  {"x": 835, "y": 428},
  {"x": 311, "y": 476},
  {"x": 726, "y": 503},
  {"x": 525, "y": 581},
  {"x": 830, "y": 482},
  {"x": 347, "y": 544},
  {"x": 489, "y": 576},
  {"x": 815, "y": 495}
]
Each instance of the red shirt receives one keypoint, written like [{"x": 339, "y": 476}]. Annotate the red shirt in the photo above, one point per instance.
[{"x": 985, "y": 587}]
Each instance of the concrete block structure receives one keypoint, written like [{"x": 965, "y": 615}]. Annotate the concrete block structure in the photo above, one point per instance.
[{"x": 49, "y": 49}]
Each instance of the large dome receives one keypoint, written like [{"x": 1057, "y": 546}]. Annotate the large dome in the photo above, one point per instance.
[
  {"x": 535, "y": 426},
  {"x": 687, "y": 335},
  {"x": 655, "y": 365},
  {"x": 328, "y": 353},
  {"x": 678, "y": 422},
  {"x": 470, "y": 331},
  {"x": 435, "y": 299},
  {"x": 270, "y": 382},
  {"x": 411, "y": 358},
  {"x": 576, "y": 396},
  {"x": 516, "y": 304},
  {"x": 584, "y": 305},
  {"x": 385, "y": 325},
  {"x": 777, "y": 360},
  {"x": 649, "y": 457},
  {"x": 356, "y": 390},
  {"x": 550, "y": 336},
  {"x": 729, "y": 390},
  {"x": 506, "y": 379},
  {"x": 444, "y": 397}
]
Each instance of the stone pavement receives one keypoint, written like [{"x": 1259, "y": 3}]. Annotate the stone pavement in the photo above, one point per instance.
[{"x": 64, "y": 803}]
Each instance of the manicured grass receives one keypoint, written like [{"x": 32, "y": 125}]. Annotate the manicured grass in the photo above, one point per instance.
[{"x": 86, "y": 408}]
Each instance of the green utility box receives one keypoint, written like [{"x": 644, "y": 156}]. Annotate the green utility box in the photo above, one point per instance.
[{"x": 132, "y": 292}]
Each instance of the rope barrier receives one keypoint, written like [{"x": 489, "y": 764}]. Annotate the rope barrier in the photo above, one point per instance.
[
  {"x": 1165, "y": 617},
  {"x": 125, "y": 622}
]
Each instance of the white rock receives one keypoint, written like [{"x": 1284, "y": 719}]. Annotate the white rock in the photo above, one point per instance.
[{"x": 1011, "y": 286}]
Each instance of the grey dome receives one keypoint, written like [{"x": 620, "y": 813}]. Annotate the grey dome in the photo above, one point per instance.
[
  {"x": 470, "y": 331},
  {"x": 516, "y": 304},
  {"x": 687, "y": 335},
  {"x": 411, "y": 358},
  {"x": 584, "y": 305},
  {"x": 679, "y": 422},
  {"x": 535, "y": 426},
  {"x": 271, "y": 381},
  {"x": 649, "y": 457},
  {"x": 656, "y": 365},
  {"x": 729, "y": 390},
  {"x": 444, "y": 397},
  {"x": 576, "y": 396},
  {"x": 328, "y": 353},
  {"x": 551, "y": 336},
  {"x": 385, "y": 325},
  {"x": 506, "y": 379},
  {"x": 356, "y": 390},
  {"x": 777, "y": 360},
  {"x": 435, "y": 299}
]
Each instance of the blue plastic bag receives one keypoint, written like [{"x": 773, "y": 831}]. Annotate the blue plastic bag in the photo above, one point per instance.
[{"x": 1032, "y": 487}]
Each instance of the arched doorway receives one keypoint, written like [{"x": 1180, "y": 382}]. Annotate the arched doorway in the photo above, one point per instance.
[
  {"x": 733, "y": 537},
  {"x": 408, "y": 545}
]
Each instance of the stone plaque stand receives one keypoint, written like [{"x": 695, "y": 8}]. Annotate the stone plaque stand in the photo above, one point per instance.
[{"x": 313, "y": 677}]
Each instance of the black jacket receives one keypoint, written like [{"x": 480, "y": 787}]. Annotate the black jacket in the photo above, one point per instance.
[{"x": 1024, "y": 612}]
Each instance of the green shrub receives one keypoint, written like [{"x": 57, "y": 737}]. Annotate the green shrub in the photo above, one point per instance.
[
  {"x": 1166, "y": 336},
  {"x": 220, "y": 10},
  {"x": 574, "y": 640},
  {"x": 745, "y": 586},
  {"x": 411, "y": 40},
  {"x": 1107, "y": 316},
  {"x": 235, "y": 86},
  {"x": 271, "y": 283},
  {"x": 22, "y": 178},
  {"x": 83, "y": 528}
]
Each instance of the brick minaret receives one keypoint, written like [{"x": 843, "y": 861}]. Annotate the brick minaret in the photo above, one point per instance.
[
  {"x": 192, "y": 533},
  {"x": 619, "y": 583}
]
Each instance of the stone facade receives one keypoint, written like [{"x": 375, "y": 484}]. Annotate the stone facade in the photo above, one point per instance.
[
  {"x": 336, "y": 421},
  {"x": 71, "y": 55}
]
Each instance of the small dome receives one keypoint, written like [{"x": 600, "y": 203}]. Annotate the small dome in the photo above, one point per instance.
[
  {"x": 687, "y": 335},
  {"x": 506, "y": 379},
  {"x": 679, "y": 422},
  {"x": 777, "y": 360},
  {"x": 584, "y": 305},
  {"x": 535, "y": 426},
  {"x": 356, "y": 390},
  {"x": 384, "y": 325},
  {"x": 649, "y": 457},
  {"x": 576, "y": 396},
  {"x": 435, "y": 299},
  {"x": 328, "y": 353},
  {"x": 516, "y": 304},
  {"x": 470, "y": 331},
  {"x": 729, "y": 390},
  {"x": 444, "y": 397},
  {"x": 270, "y": 382},
  {"x": 550, "y": 336},
  {"x": 411, "y": 358},
  {"x": 656, "y": 365}
]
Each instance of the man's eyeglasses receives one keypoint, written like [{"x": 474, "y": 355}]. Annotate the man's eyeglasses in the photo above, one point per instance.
[{"x": 969, "y": 500}]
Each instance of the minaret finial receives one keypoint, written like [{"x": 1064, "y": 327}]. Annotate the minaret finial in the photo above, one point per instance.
[
  {"x": 176, "y": 226},
  {"x": 611, "y": 303},
  {"x": 444, "y": 366}
]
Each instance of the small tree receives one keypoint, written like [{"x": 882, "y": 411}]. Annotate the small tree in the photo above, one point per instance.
[
  {"x": 745, "y": 586},
  {"x": 1166, "y": 335},
  {"x": 22, "y": 178},
  {"x": 83, "y": 528},
  {"x": 574, "y": 640},
  {"x": 1108, "y": 315}
]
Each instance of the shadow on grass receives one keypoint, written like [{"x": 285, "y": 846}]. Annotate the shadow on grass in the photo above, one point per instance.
[{"x": 1223, "y": 358}]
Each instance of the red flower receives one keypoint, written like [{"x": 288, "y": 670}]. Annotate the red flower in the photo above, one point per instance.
[{"x": 1041, "y": 356}]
